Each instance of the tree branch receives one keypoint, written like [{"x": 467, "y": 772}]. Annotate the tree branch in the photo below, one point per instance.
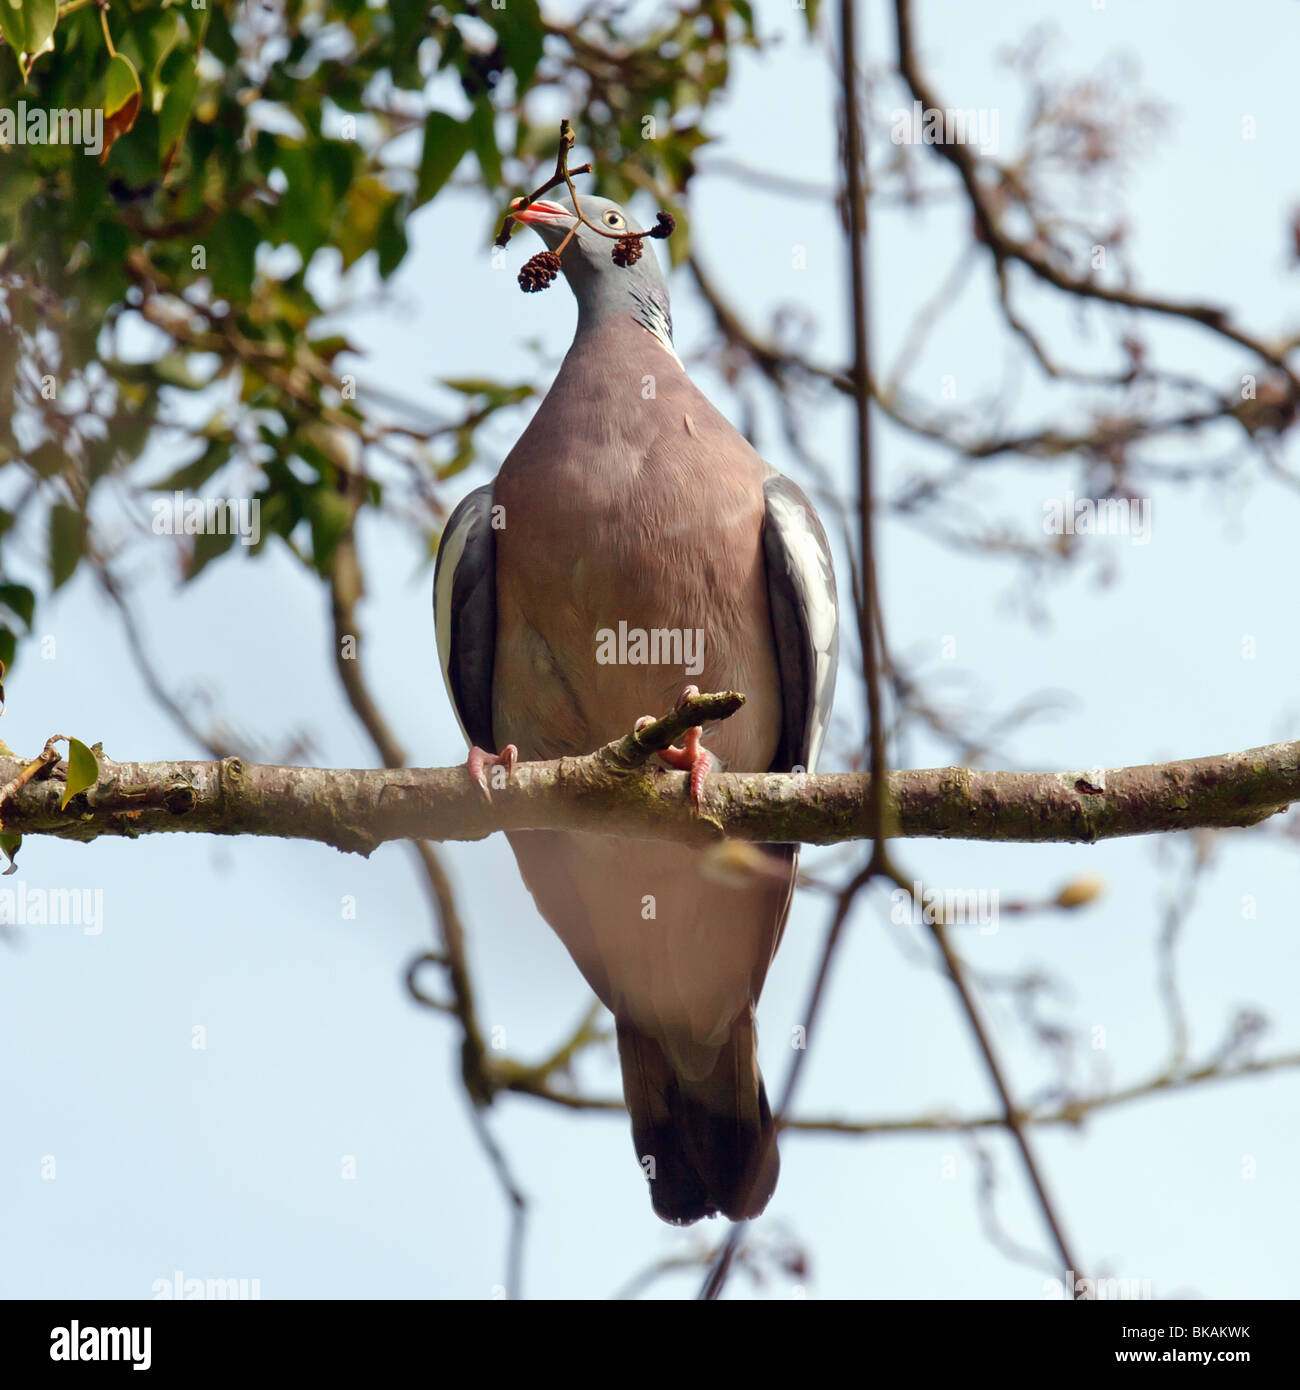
[
  {"x": 617, "y": 791},
  {"x": 1006, "y": 247}
]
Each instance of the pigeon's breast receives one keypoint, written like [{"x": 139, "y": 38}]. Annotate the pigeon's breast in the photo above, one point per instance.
[{"x": 630, "y": 565}]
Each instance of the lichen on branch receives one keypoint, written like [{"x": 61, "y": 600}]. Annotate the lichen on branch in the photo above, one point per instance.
[{"x": 621, "y": 789}]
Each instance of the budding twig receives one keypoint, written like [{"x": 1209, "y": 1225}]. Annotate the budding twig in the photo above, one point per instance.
[
  {"x": 49, "y": 755},
  {"x": 539, "y": 271},
  {"x": 562, "y": 175}
]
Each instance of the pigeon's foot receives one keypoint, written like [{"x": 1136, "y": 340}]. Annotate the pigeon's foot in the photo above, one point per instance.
[
  {"x": 692, "y": 756},
  {"x": 480, "y": 760}
]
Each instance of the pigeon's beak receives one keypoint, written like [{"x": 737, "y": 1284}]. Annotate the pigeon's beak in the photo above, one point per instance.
[{"x": 541, "y": 213}]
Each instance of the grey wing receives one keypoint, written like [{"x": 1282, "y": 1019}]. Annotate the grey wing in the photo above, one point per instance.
[
  {"x": 465, "y": 613},
  {"x": 805, "y": 620}
]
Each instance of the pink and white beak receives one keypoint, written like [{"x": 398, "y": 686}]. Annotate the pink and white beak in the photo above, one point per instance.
[{"x": 541, "y": 213}]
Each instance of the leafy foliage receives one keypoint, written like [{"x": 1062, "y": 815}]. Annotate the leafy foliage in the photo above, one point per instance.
[{"x": 238, "y": 146}]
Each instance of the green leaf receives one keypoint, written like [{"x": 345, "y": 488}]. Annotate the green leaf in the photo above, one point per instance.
[
  {"x": 471, "y": 385},
  {"x": 155, "y": 32},
  {"x": 83, "y": 770},
  {"x": 306, "y": 210},
  {"x": 446, "y": 142},
  {"x": 19, "y": 599},
  {"x": 67, "y": 538},
  {"x": 328, "y": 347},
  {"x": 121, "y": 83},
  {"x": 218, "y": 39},
  {"x": 482, "y": 386},
  {"x": 340, "y": 160},
  {"x": 482, "y": 129},
  {"x": 462, "y": 458},
  {"x": 391, "y": 242},
  {"x": 198, "y": 23},
  {"x": 679, "y": 244},
  {"x": 10, "y": 843},
  {"x": 121, "y": 99},
  {"x": 496, "y": 392},
  {"x": 357, "y": 230},
  {"x": 208, "y": 545},
  {"x": 46, "y": 460},
  {"x": 328, "y": 514},
  {"x": 28, "y": 25},
  {"x": 20, "y": 185},
  {"x": 519, "y": 25},
  {"x": 409, "y": 18},
  {"x": 177, "y": 108},
  {"x": 232, "y": 248},
  {"x": 189, "y": 477}
]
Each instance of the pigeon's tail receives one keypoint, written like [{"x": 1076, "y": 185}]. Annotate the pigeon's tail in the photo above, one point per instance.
[{"x": 707, "y": 1145}]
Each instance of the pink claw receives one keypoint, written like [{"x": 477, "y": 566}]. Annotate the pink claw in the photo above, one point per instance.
[
  {"x": 692, "y": 757},
  {"x": 480, "y": 760}
]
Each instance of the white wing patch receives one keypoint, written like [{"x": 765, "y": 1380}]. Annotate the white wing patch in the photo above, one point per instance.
[
  {"x": 450, "y": 553},
  {"x": 810, "y": 565}
]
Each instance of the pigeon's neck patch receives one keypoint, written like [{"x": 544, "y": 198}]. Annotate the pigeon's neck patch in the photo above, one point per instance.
[{"x": 651, "y": 312}]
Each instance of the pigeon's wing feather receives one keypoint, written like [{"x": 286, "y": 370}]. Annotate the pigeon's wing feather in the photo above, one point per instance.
[
  {"x": 465, "y": 610},
  {"x": 805, "y": 620}
]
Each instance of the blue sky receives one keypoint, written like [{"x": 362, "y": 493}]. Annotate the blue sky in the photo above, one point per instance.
[{"x": 228, "y": 1161}]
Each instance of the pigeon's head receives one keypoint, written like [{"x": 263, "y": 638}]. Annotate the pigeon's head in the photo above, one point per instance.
[{"x": 609, "y": 276}]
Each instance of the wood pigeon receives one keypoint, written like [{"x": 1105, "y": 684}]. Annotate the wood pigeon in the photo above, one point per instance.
[{"x": 633, "y": 543}]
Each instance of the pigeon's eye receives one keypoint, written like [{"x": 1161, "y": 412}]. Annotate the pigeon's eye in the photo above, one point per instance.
[{"x": 614, "y": 219}]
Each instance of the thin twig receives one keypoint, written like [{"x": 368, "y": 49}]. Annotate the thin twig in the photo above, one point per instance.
[
  {"x": 345, "y": 589},
  {"x": 1005, "y": 247},
  {"x": 855, "y": 193}
]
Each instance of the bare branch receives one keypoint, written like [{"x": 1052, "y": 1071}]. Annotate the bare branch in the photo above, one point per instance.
[
  {"x": 613, "y": 792},
  {"x": 1006, "y": 247}
]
